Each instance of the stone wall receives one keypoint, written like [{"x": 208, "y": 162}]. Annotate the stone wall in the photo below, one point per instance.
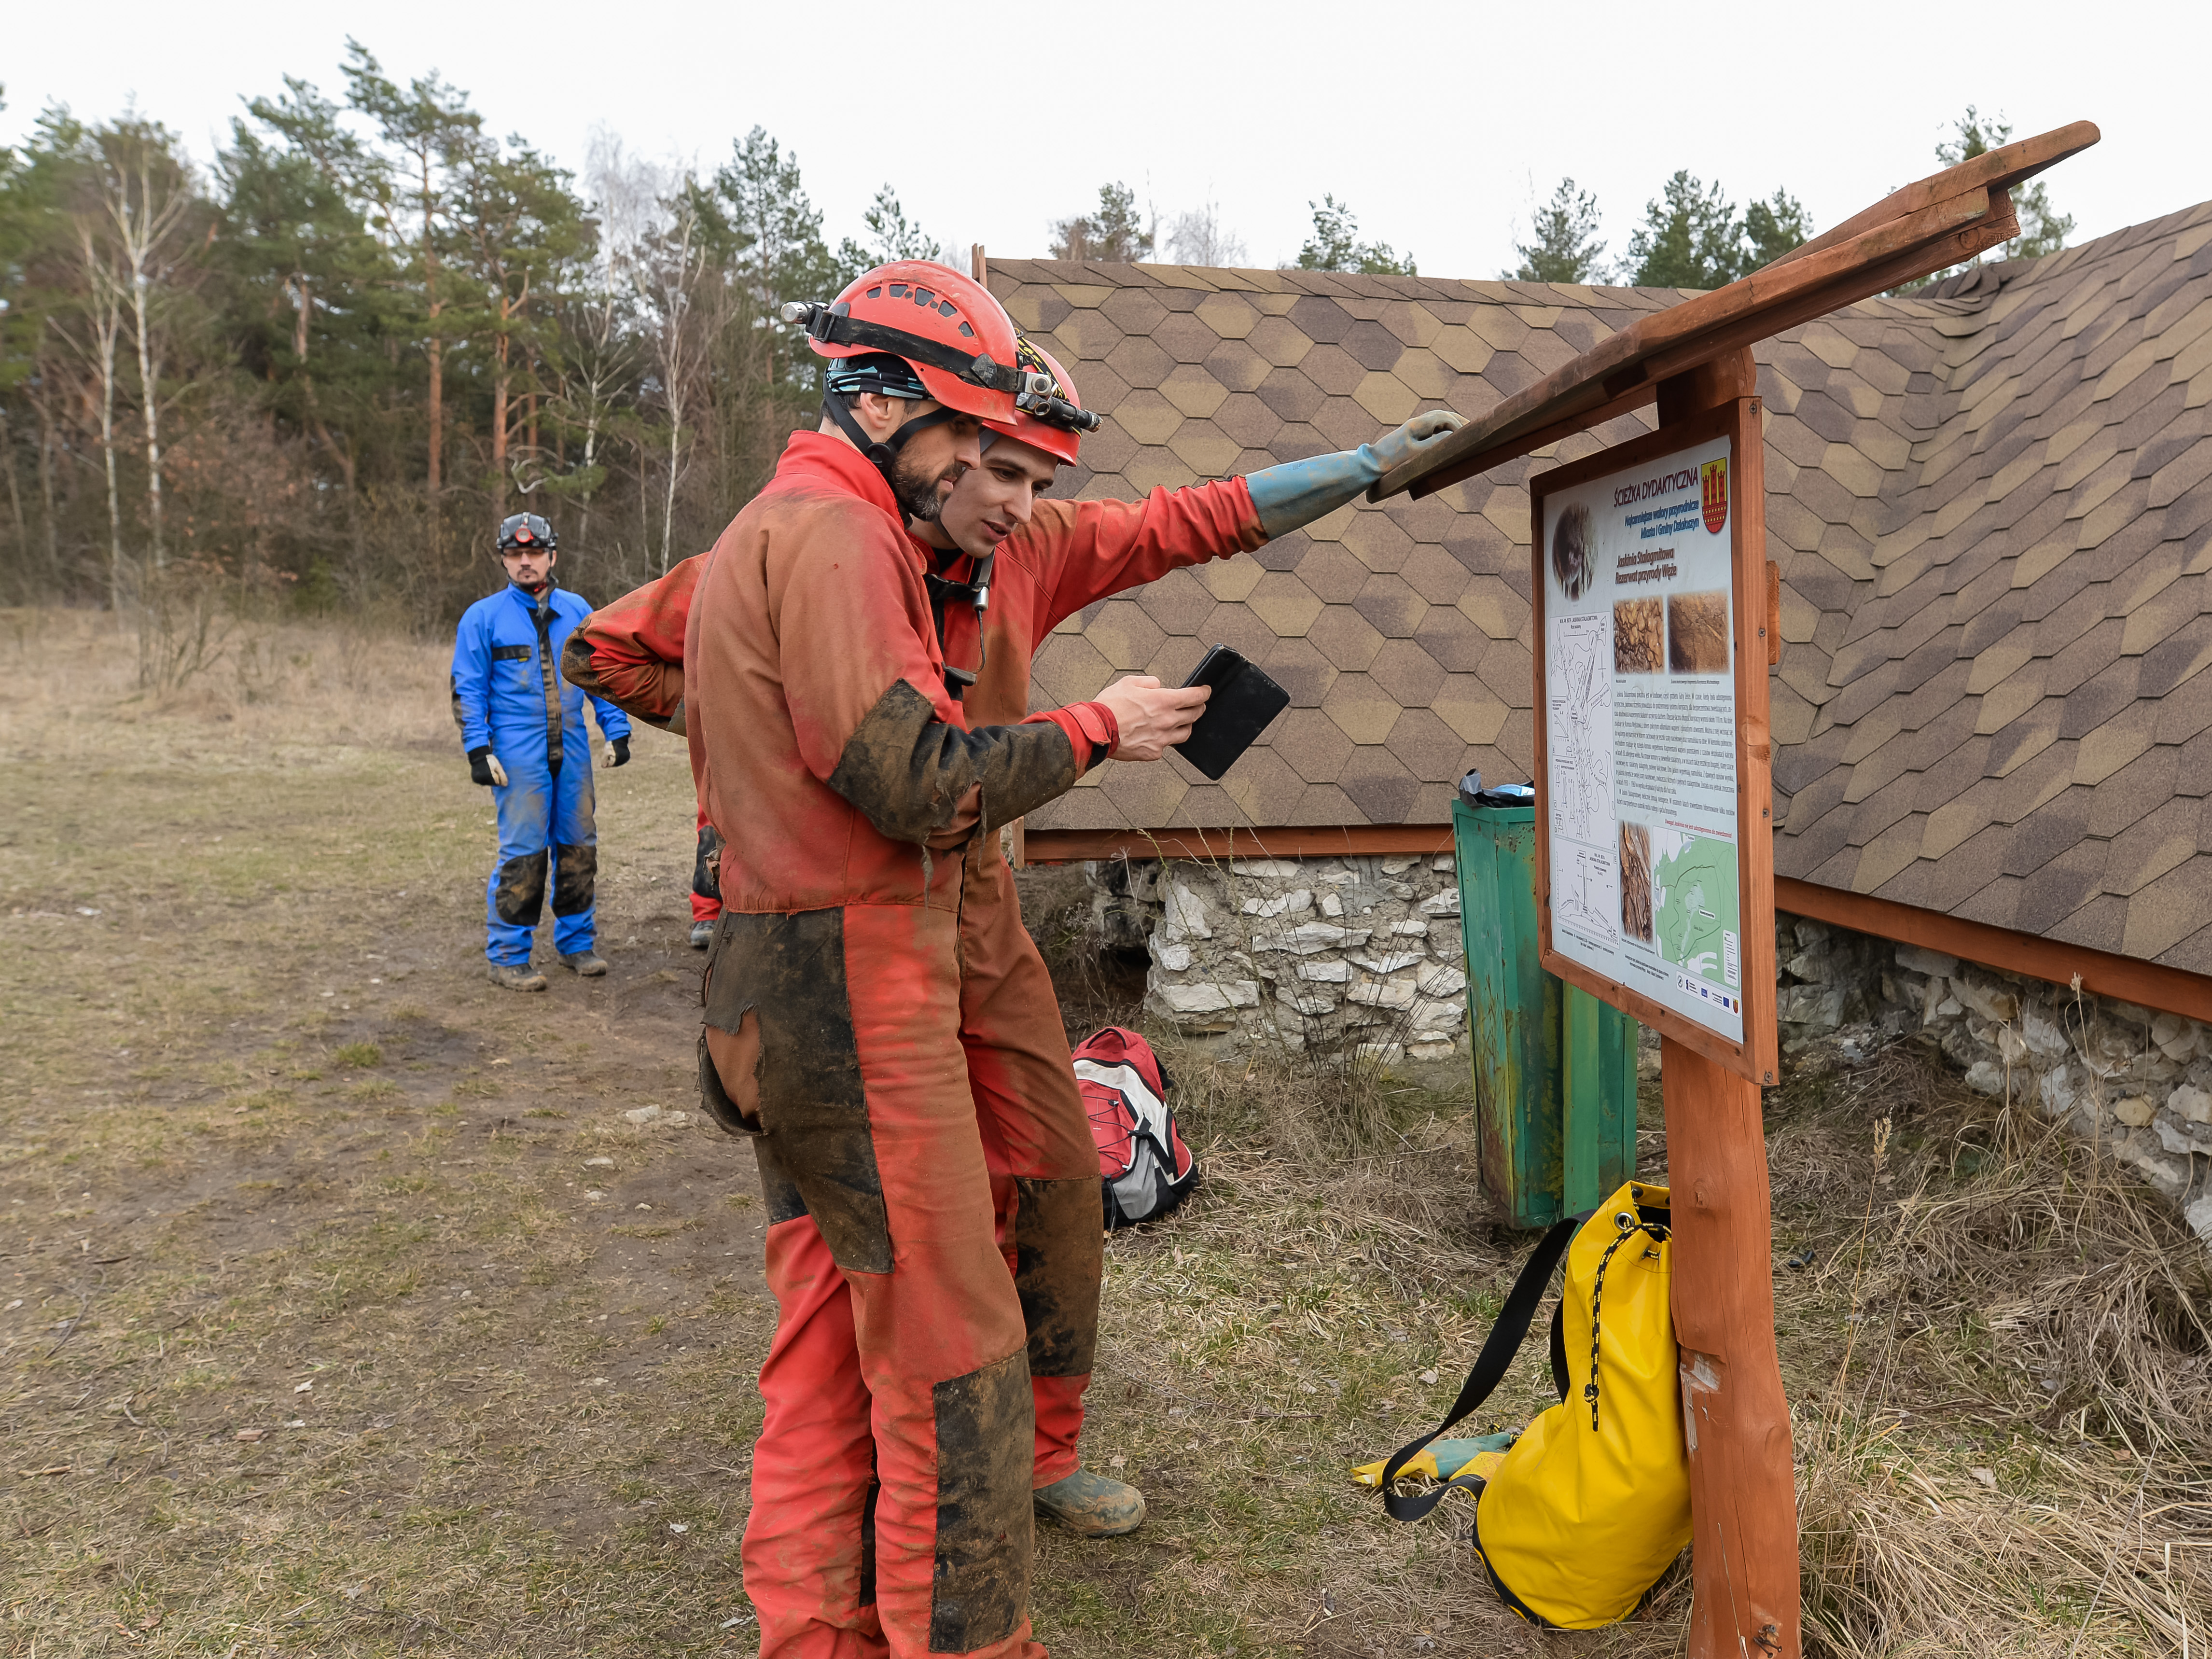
[
  {"x": 1367, "y": 950},
  {"x": 2138, "y": 1081},
  {"x": 1295, "y": 951}
]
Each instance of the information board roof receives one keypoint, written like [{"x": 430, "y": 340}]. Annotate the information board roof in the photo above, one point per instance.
[{"x": 1942, "y": 220}]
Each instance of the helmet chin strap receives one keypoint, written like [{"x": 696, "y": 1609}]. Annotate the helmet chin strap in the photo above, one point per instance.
[{"x": 883, "y": 455}]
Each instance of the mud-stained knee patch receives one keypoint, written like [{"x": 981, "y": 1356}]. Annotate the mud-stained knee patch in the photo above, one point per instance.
[
  {"x": 575, "y": 879},
  {"x": 986, "y": 1422},
  {"x": 521, "y": 894},
  {"x": 788, "y": 971},
  {"x": 578, "y": 668},
  {"x": 706, "y": 869},
  {"x": 1060, "y": 1252},
  {"x": 715, "y": 1099},
  {"x": 908, "y": 772},
  {"x": 778, "y": 1191}
]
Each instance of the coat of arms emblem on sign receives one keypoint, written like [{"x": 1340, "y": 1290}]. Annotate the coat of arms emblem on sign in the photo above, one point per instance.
[{"x": 1715, "y": 495}]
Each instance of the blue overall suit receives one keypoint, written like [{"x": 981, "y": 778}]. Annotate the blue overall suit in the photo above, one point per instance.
[{"x": 508, "y": 693}]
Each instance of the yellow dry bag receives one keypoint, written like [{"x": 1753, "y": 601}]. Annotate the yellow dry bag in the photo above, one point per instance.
[{"x": 1592, "y": 1503}]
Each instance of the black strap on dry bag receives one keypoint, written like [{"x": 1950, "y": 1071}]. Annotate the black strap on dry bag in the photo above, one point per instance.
[{"x": 1490, "y": 1366}]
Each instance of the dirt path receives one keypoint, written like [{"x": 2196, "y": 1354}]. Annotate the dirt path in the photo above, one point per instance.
[{"x": 320, "y": 1254}]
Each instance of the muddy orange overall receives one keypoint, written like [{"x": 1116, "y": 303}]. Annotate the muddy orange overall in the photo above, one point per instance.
[{"x": 892, "y": 1483}]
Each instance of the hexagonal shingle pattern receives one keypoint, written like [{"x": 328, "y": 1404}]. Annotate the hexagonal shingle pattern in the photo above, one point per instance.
[
  {"x": 1991, "y": 501},
  {"x": 1374, "y": 618}
]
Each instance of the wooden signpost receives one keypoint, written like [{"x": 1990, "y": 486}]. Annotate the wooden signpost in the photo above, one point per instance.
[{"x": 1654, "y": 619}]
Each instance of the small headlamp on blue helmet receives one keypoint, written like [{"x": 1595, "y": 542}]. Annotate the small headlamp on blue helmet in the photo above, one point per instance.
[{"x": 525, "y": 532}]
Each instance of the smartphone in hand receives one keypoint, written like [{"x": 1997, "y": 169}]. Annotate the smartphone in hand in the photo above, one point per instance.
[{"x": 1245, "y": 702}]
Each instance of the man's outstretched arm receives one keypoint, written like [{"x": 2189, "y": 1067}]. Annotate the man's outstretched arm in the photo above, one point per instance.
[
  {"x": 1085, "y": 550},
  {"x": 630, "y": 652}
]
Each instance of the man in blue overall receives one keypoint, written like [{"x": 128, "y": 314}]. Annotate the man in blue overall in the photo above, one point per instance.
[{"x": 523, "y": 727}]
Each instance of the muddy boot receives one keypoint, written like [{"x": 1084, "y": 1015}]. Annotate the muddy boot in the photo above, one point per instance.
[
  {"x": 589, "y": 963},
  {"x": 702, "y": 935},
  {"x": 517, "y": 976},
  {"x": 1091, "y": 1506}
]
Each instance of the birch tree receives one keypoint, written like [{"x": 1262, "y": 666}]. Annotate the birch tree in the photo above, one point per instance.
[{"x": 147, "y": 197}]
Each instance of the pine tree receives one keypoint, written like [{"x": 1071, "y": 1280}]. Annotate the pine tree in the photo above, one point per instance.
[
  {"x": 891, "y": 235},
  {"x": 1563, "y": 246},
  {"x": 2043, "y": 229},
  {"x": 429, "y": 132},
  {"x": 1335, "y": 245},
  {"x": 1773, "y": 228},
  {"x": 1115, "y": 235},
  {"x": 1690, "y": 238},
  {"x": 760, "y": 225}
]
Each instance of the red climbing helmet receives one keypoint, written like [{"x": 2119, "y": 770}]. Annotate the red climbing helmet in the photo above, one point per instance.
[
  {"x": 957, "y": 338},
  {"x": 1049, "y": 413}
]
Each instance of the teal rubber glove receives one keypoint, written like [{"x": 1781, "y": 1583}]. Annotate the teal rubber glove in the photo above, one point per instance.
[{"x": 1299, "y": 492}]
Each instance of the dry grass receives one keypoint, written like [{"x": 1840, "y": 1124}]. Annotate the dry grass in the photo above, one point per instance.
[
  {"x": 218, "y": 1182},
  {"x": 2015, "y": 1454}
]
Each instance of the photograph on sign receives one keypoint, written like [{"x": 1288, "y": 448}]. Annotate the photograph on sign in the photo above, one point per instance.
[{"x": 1640, "y": 718}]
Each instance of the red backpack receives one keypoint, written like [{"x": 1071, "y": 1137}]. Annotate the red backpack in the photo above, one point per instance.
[{"x": 1143, "y": 1167}]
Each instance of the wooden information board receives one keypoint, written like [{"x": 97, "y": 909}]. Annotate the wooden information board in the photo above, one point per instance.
[
  {"x": 1655, "y": 878},
  {"x": 1656, "y": 854}
]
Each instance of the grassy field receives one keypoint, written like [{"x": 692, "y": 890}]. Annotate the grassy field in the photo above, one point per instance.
[{"x": 345, "y": 1308}]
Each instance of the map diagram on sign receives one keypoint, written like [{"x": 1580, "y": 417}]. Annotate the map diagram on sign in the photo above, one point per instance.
[
  {"x": 1586, "y": 891},
  {"x": 1693, "y": 885},
  {"x": 1578, "y": 732}
]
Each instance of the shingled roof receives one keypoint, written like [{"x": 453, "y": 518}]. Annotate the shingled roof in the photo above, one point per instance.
[
  {"x": 1989, "y": 502},
  {"x": 1398, "y": 629},
  {"x": 1990, "y": 507}
]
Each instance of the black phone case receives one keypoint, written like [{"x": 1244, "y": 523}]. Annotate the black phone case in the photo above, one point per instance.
[{"x": 1244, "y": 701}]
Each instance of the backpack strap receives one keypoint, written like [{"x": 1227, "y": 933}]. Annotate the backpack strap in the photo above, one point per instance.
[{"x": 1489, "y": 1370}]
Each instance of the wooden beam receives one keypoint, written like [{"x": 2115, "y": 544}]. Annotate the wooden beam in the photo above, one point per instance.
[
  {"x": 2148, "y": 984},
  {"x": 1331, "y": 841},
  {"x": 1743, "y": 1500},
  {"x": 1617, "y": 373},
  {"x": 1996, "y": 169}
]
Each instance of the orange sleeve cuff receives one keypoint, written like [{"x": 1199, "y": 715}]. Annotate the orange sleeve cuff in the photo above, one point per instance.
[{"x": 1092, "y": 731}]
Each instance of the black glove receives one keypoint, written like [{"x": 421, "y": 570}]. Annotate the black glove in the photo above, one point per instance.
[
  {"x": 618, "y": 754},
  {"x": 484, "y": 767}
]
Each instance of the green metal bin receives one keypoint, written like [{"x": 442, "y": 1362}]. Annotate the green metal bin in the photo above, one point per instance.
[{"x": 1554, "y": 1068}]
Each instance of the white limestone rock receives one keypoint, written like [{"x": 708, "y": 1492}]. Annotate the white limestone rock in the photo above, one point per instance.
[
  {"x": 1185, "y": 912},
  {"x": 2191, "y": 1104},
  {"x": 1442, "y": 980},
  {"x": 2042, "y": 1033},
  {"x": 1173, "y": 958},
  {"x": 2199, "y": 1217},
  {"x": 1445, "y": 903},
  {"x": 1990, "y": 1002},
  {"x": 2175, "y": 1037},
  {"x": 1390, "y": 962},
  {"x": 1325, "y": 973},
  {"x": 1310, "y": 937},
  {"x": 1382, "y": 994},
  {"x": 1934, "y": 964},
  {"x": 1433, "y": 1014},
  {"x": 1291, "y": 903}
]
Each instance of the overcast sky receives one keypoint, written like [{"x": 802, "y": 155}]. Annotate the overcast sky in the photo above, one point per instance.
[{"x": 1438, "y": 125}]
